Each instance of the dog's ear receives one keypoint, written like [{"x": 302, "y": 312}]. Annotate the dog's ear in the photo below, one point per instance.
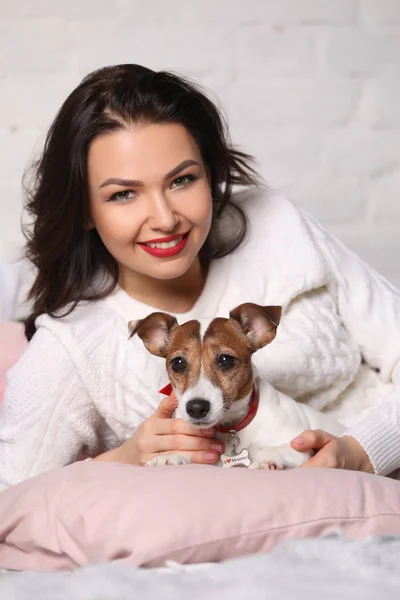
[
  {"x": 258, "y": 323},
  {"x": 155, "y": 331}
]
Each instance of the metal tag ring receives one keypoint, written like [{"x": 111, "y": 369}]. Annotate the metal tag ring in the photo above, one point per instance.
[{"x": 233, "y": 439}]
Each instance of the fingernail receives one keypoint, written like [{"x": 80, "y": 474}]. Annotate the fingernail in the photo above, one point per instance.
[
  {"x": 209, "y": 456},
  {"x": 300, "y": 441},
  {"x": 216, "y": 446},
  {"x": 208, "y": 432}
]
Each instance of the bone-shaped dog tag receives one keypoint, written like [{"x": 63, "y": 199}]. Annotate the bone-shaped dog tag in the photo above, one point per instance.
[{"x": 237, "y": 460}]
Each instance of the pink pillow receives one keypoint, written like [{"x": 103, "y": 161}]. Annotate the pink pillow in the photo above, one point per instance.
[
  {"x": 94, "y": 512},
  {"x": 12, "y": 344}
]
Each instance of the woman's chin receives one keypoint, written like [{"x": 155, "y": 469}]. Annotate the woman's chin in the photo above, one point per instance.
[
  {"x": 167, "y": 269},
  {"x": 174, "y": 267}
]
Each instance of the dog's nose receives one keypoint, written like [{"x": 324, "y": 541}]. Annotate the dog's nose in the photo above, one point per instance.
[{"x": 198, "y": 408}]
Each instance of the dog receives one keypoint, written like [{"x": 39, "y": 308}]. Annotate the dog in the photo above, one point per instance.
[{"x": 216, "y": 385}]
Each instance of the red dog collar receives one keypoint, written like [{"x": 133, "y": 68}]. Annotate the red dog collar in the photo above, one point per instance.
[{"x": 251, "y": 413}]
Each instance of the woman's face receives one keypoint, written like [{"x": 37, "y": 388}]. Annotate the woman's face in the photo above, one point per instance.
[{"x": 150, "y": 198}]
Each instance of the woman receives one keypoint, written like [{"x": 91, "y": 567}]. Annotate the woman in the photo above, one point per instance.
[{"x": 133, "y": 210}]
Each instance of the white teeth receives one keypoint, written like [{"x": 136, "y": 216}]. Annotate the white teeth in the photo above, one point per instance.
[{"x": 165, "y": 245}]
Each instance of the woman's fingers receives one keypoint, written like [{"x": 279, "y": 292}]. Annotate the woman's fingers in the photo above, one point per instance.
[
  {"x": 324, "y": 459},
  {"x": 202, "y": 458},
  {"x": 165, "y": 443},
  {"x": 328, "y": 447},
  {"x": 311, "y": 440},
  {"x": 178, "y": 426},
  {"x": 166, "y": 407}
]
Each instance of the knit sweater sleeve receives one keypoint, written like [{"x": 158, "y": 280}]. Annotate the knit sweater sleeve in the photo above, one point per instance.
[
  {"x": 47, "y": 417},
  {"x": 370, "y": 309}
]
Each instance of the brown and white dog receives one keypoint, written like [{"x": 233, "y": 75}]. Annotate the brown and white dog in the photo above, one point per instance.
[{"x": 210, "y": 369}]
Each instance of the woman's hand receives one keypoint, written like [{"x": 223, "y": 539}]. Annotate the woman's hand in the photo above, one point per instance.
[
  {"x": 161, "y": 434},
  {"x": 332, "y": 452}
]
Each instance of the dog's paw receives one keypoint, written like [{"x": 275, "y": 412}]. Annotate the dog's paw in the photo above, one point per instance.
[
  {"x": 266, "y": 466},
  {"x": 280, "y": 457},
  {"x": 162, "y": 460}
]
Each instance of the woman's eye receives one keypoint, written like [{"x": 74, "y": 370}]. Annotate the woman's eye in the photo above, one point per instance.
[
  {"x": 226, "y": 361},
  {"x": 123, "y": 196},
  {"x": 178, "y": 364},
  {"x": 183, "y": 181}
]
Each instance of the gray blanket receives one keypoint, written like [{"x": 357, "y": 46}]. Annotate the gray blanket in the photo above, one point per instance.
[{"x": 328, "y": 568}]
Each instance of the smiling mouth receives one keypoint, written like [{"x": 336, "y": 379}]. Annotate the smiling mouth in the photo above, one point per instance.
[{"x": 165, "y": 245}]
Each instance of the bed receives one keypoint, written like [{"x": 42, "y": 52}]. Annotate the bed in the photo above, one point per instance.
[{"x": 328, "y": 568}]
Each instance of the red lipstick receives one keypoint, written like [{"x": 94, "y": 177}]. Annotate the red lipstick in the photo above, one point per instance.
[{"x": 169, "y": 238}]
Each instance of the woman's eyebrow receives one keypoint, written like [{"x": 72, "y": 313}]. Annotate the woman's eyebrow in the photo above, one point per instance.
[
  {"x": 180, "y": 167},
  {"x": 135, "y": 183}
]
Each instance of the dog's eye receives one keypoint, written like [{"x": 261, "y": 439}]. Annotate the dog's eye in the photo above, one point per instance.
[
  {"x": 226, "y": 361},
  {"x": 178, "y": 364}
]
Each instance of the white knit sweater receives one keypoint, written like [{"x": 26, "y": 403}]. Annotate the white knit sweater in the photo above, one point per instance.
[{"x": 81, "y": 385}]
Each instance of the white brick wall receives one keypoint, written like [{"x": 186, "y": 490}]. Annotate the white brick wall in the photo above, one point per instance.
[{"x": 311, "y": 87}]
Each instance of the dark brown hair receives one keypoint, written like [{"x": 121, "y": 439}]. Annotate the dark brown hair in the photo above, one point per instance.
[{"x": 67, "y": 255}]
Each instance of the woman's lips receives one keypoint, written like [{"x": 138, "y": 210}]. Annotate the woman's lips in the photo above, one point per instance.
[{"x": 170, "y": 246}]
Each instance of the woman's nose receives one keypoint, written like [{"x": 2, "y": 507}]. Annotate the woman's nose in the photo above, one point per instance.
[{"x": 161, "y": 214}]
